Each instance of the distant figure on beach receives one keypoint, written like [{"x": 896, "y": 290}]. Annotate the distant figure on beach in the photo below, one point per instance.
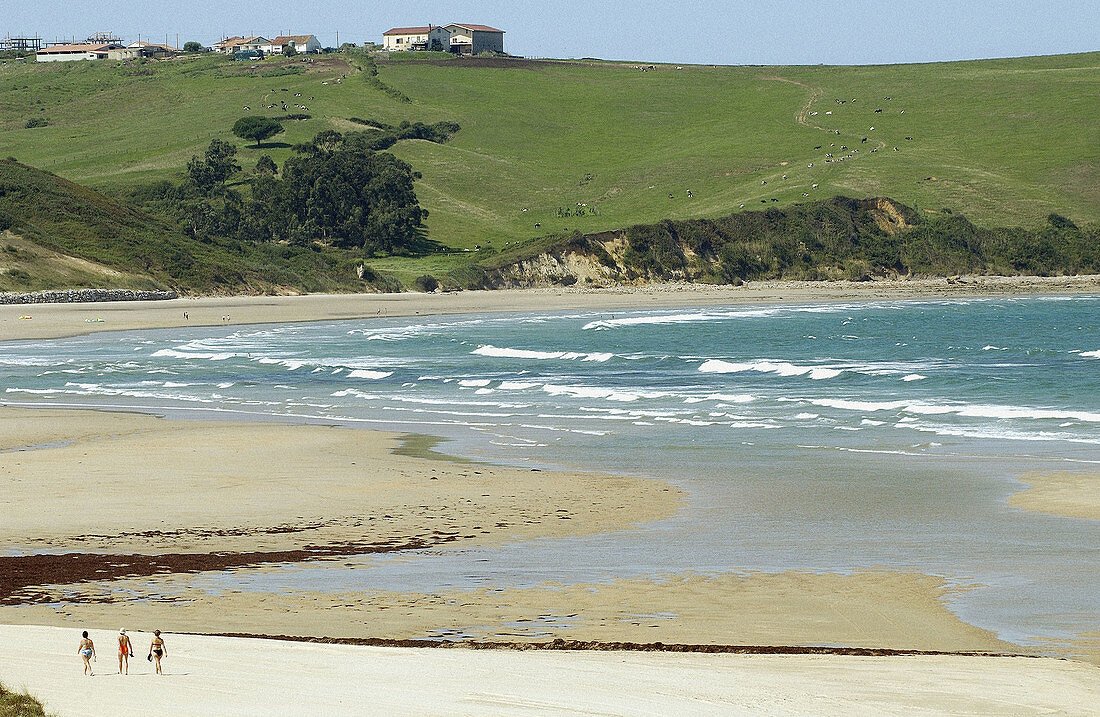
[
  {"x": 157, "y": 649},
  {"x": 86, "y": 652},
  {"x": 125, "y": 652},
  {"x": 186, "y": 317}
]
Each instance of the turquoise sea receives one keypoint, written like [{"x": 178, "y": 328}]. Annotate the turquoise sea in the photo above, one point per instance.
[{"x": 824, "y": 437}]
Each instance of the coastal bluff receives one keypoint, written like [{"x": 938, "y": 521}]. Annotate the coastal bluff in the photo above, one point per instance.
[{"x": 75, "y": 296}]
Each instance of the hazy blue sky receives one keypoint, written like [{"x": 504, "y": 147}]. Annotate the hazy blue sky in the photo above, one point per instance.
[{"x": 705, "y": 31}]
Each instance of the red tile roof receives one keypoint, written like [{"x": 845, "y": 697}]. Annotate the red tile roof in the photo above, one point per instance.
[
  {"x": 478, "y": 28},
  {"x": 408, "y": 31}
]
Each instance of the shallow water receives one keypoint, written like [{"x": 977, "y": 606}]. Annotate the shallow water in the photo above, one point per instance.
[{"x": 818, "y": 437}]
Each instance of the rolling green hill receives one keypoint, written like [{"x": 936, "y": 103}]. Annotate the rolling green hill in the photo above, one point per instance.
[{"x": 1005, "y": 142}]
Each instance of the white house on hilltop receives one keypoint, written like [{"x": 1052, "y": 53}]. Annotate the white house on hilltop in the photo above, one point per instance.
[
  {"x": 300, "y": 43},
  {"x": 459, "y": 38}
]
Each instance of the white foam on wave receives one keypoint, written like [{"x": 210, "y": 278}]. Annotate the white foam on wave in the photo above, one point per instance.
[
  {"x": 497, "y": 352},
  {"x": 367, "y": 373},
  {"x": 780, "y": 368},
  {"x": 607, "y": 394},
  {"x": 516, "y": 385},
  {"x": 913, "y": 377},
  {"x": 473, "y": 382},
  {"x": 210, "y": 355},
  {"x": 1090, "y": 354},
  {"x": 991, "y": 347},
  {"x": 965, "y": 410},
  {"x": 722, "y": 398}
]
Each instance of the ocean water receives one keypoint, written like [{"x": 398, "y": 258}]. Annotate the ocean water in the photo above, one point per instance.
[{"x": 825, "y": 437}]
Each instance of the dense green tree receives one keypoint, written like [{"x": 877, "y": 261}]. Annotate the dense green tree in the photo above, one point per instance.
[
  {"x": 256, "y": 127},
  {"x": 289, "y": 52},
  {"x": 192, "y": 46},
  {"x": 217, "y": 164},
  {"x": 266, "y": 165}
]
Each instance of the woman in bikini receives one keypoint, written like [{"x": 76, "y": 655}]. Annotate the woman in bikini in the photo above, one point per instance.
[
  {"x": 86, "y": 652},
  {"x": 157, "y": 649},
  {"x": 125, "y": 652}
]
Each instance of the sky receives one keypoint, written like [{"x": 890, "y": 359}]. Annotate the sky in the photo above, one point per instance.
[{"x": 734, "y": 32}]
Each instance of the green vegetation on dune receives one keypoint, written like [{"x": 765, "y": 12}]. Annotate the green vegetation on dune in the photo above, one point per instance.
[
  {"x": 19, "y": 704},
  {"x": 838, "y": 238}
]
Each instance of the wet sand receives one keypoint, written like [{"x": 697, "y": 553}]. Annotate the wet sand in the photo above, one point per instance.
[
  {"x": 867, "y": 610},
  {"x": 234, "y": 676},
  {"x": 102, "y": 495},
  {"x": 1074, "y": 495},
  {"x": 58, "y": 320}
]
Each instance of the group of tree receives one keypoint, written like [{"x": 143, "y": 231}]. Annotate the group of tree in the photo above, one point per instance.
[{"x": 337, "y": 190}]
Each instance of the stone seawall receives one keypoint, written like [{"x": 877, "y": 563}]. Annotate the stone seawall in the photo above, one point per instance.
[{"x": 72, "y": 296}]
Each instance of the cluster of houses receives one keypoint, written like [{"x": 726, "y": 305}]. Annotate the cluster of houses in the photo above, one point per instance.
[
  {"x": 277, "y": 46},
  {"x": 459, "y": 38}
]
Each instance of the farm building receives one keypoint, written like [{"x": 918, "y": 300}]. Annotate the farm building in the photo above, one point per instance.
[
  {"x": 458, "y": 38},
  {"x": 78, "y": 51},
  {"x": 474, "y": 39},
  {"x": 152, "y": 49},
  {"x": 406, "y": 38},
  {"x": 300, "y": 43}
]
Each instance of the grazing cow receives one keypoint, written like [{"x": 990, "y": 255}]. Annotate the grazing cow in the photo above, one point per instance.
[
  {"x": 843, "y": 148},
  {"x": 818, "y": 147},
  {"x": 297, "y": 94},
  {"x": 805, "y": 194},
  {"x": 690, "y": 195},
  {"x": 763, "y": 182},
  {"x": 538, "y": 224},
  {"x": 810, "y": 165},
  {"x": 246, "y": 108},
  {"x": 896, "y": 149},
  {"x": 864, "y": 140},
  {"x": 813, "y": 186},
  {"x": 878, "y": 111},
  {"x": 836, "y": 131},
  {"x": 784, "y": 176},
  {"x": 774, "y": 199},
  {"x": 871, "y": 130},
  {"x": 670, "y": 195},
  {"x": 909, "y": 138}
]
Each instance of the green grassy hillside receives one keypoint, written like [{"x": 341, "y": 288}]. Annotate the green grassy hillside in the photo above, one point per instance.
[{"x": 1004, "y": 142}]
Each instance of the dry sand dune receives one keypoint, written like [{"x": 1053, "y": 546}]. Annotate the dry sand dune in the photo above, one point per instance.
[{"x": 234, "y": 676}]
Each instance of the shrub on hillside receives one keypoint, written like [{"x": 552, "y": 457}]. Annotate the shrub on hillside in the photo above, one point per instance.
[
  {"x": 426, "y": 283},
  {"x": 36, "y": 122}
]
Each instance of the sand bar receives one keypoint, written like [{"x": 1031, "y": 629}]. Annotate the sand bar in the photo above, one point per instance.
[
  {"x": 191, "y": 495},
  {"x": 1074, "y": 495},
  {"x": 235, "y": 676},
  {"x": 58, "y": 320}
]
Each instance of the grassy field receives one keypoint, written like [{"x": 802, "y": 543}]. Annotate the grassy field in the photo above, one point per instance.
[{"x": 1003, "y": 141}]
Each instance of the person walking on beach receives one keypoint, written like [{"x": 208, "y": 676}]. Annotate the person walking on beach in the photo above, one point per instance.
[
  {"x": 86, "y": 652},
  {"x": 125, "y": 652},
  {"x": 157, "y": 649}
]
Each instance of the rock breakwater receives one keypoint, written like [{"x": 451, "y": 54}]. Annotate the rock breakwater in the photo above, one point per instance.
[{"x": 73, "y": 296}]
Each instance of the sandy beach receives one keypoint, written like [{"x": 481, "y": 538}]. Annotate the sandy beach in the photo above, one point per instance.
[
  {"x": 235, "y": 676},
  {"x": 1074, "y": 495},
  {"x": 144, "y": 512},
  {"x": 58, "y": 320}
]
